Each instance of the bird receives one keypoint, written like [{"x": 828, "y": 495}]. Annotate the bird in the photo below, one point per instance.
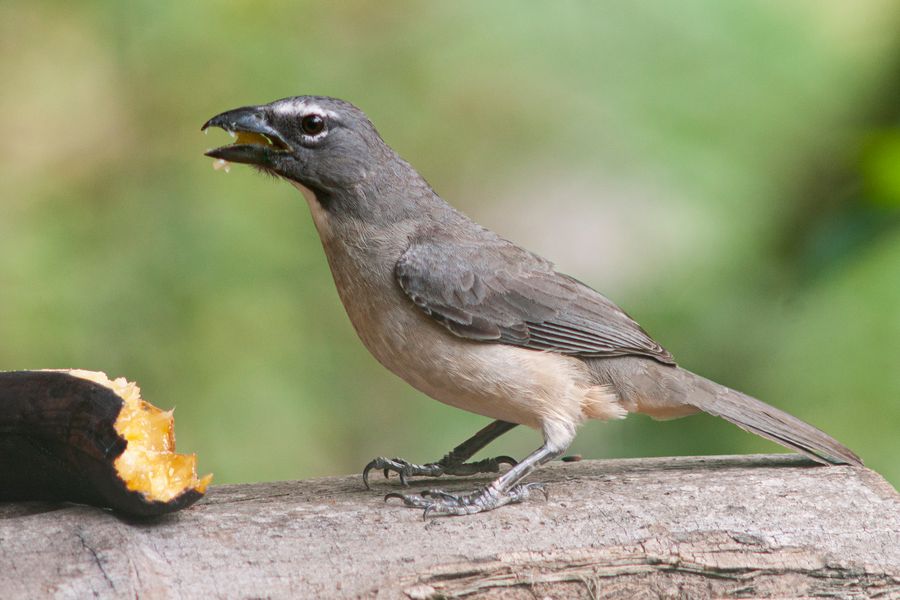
[{"x": 470, "y": 318}]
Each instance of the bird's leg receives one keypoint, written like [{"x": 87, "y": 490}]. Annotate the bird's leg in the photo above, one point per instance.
[
  {"x": 506, "y": 489},
  {"x": 453, "y": 463}
]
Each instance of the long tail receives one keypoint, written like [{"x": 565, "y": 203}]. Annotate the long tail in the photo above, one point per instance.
[
  {"x": 666, "y": 392},
  {"x": 767, "y": 421}
]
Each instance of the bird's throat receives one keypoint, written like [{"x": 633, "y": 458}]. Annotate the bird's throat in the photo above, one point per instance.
[
  {"x": 320, "y": 215},
  {"x": 307, "y": 193}
]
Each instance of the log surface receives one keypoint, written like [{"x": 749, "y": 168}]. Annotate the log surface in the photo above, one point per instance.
[{"x": 703, "y": 527}]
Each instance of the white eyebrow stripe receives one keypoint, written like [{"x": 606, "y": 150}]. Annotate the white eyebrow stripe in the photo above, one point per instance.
[{"x": 301, "y": 109}]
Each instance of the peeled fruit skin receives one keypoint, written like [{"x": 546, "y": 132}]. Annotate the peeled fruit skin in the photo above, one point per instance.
[{"x": 59, "y": 441}]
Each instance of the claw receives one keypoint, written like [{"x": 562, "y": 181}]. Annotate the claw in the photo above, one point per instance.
[
  {"x": 366, "y": 475},
  {"x": 411, "y": 500},
  {"x": 386, "y": 466}
]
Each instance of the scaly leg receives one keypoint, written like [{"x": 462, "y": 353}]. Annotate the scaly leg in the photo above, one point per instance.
[
  {"x": 506, "y": 489},
  {"x": 453, "y": 463}
]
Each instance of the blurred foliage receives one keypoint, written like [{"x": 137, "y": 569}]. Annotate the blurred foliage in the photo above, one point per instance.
[
  {"x": 729, "y": 172},
  {"x": 880, "y": 166}
]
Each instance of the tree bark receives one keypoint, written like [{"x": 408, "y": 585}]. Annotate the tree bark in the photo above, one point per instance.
[{"x": 702, "y": 527}]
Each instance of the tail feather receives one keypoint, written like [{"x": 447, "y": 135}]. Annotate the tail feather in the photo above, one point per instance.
[
  {"x": 771, "y": 423},
  {"x": 665, "y": 391}
]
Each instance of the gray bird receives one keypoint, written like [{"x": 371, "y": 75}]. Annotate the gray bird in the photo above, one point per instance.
[{"x": 469, "y": 318}]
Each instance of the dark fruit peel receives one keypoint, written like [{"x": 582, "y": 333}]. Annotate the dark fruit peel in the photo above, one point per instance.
[{"x": 78, "y": 436}]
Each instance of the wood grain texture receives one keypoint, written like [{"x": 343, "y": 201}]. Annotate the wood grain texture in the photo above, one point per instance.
[{"x": 710, "y": 527}]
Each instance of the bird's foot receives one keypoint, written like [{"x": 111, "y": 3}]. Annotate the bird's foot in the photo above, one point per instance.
[
  {"x": 407, "y": 469},
  {"x": 440, "y": 503}
]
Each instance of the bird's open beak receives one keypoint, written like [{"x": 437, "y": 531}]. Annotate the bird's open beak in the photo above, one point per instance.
[{"x": 256, "y": 142}]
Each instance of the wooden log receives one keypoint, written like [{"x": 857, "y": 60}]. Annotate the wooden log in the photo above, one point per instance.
[{"x": 701, "y": 527}]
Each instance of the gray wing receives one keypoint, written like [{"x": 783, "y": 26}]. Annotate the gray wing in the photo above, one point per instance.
[{"x": 492, "y": 290}]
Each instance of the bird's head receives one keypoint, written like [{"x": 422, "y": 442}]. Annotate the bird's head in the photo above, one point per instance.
[{"x": 325, "y": 144}]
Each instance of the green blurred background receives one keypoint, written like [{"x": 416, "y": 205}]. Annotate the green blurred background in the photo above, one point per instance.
[{"x": 728, "y": 172}]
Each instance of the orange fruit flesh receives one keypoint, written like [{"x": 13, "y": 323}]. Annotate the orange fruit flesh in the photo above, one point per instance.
[{"x": 149, "y": 464}]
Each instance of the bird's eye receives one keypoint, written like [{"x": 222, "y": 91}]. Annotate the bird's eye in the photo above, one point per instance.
[{"x": 312, "y": 124}]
